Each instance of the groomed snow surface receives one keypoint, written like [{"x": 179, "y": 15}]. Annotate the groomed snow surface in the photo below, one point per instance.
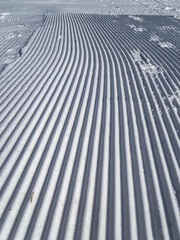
[{"x": 89, "y": 127}]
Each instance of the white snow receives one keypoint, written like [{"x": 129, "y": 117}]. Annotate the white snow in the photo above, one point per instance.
[
  {"x": 41, "y": 65},
  {"x": 161, "y": 43},
  {"x": 146, "y": 66}
]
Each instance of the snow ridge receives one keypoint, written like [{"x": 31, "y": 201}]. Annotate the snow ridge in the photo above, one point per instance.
[{"x": 89, "y": 117}]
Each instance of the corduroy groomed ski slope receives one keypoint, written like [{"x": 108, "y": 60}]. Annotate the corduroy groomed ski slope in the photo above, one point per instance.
[{"x": 90, "y": 120}]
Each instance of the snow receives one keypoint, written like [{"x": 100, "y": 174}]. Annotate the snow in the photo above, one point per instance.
[
  {"x": 131, "y": 7},
  {"x": 146, "y": 64},
  {"x": 161, "y": 43},
  {"x": 89, "y": 115}
]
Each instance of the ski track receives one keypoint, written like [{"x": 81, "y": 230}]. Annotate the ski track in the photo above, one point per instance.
[{"x": 89, "y": 117}]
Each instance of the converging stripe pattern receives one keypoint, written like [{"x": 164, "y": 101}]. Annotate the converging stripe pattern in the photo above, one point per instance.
[{"x": 89, "y": 118}]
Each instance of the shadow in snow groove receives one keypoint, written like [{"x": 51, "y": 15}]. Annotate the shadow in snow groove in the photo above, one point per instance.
[{"x": 90, "y": 129}]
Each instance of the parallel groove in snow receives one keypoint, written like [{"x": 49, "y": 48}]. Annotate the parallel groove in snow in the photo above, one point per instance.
[{"x": 89, "y": 133}]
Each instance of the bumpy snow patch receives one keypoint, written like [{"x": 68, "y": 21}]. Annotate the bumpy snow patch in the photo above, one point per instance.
[
  {"x": 137, "y": 29},
  {"x": 139, "y": 19},
  {"x": 15, "y": 30},
  {"x": 166, "y": 45},
  {"x": 3, "y": 15},
  {"x": 146, "y": 65},
  {"x": 176, "y": 96},
  {"x": 161, "y": 43}
]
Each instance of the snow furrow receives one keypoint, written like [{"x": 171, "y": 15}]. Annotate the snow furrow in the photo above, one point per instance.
[{"x": 90, "y": 131}]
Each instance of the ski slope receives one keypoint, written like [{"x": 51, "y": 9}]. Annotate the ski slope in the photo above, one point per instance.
[
  {"x": 15, "y": 30},
  {"x": 89, "y": 117}
]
